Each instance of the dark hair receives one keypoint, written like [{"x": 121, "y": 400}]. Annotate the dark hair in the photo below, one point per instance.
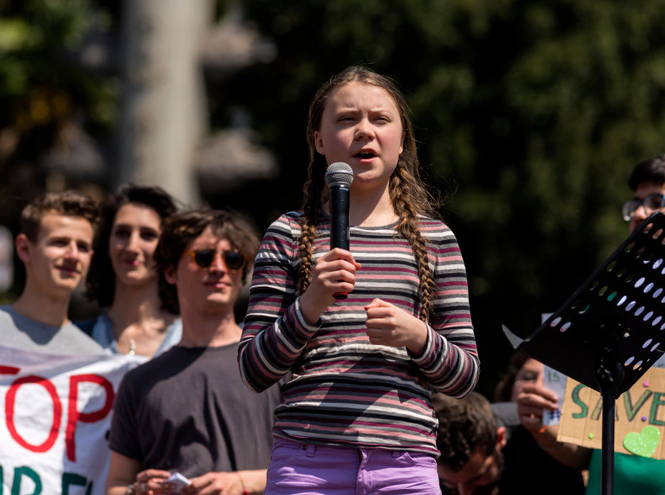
[
  {"x": 504, "y": 389},
  {"x": 408, "y": 195},
  {"x": 184, "y": 227},
  {"x": 68, "y": 203},
  {"x": 100, "y": 282},
  {"x": 650, "y": 171},
  {"x": 464, "y": 425}
]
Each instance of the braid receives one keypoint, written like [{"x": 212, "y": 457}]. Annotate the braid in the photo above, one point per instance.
[
  {"x": 311, "y": 210},
  {"x": 402, "y": 192},
  {"x": 305, "y": 249}
]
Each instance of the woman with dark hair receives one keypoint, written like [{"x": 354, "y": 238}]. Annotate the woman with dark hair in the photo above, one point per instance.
[{"x": 123, "y": 276}]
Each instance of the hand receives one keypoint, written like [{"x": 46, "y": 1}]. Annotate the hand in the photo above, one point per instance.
[
  {"x": 214, "y": 484},
  {"x": 392, "y": 326},
  {"x": 151, "y": 482},
  {"x": 531, "y": 401},
  {"x": 334, "y": 272}
]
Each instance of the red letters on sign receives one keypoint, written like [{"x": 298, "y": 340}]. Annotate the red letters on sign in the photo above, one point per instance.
[
  {"x": 74, "y": 416},
  {"x": 9, "y": 370},
  {"x": 10, "y": 401}
]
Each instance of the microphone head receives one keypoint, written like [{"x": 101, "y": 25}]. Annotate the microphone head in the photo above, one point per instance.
[{"x": 339, "y": 174}]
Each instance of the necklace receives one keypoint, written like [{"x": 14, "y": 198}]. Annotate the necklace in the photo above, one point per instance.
[{"x": 132, "y": 347}]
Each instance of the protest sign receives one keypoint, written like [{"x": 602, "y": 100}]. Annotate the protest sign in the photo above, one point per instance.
[
  {"x": 55, "y": 419},
  {"x": 640, "y": 417}
]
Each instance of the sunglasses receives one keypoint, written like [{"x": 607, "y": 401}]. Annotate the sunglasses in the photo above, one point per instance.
[{"x": 204, "y": 257}]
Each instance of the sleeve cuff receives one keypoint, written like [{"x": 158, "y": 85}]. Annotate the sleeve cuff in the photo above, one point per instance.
[
  {"x": 426, "y": 356},
  {"x": 300, "y": 322}
]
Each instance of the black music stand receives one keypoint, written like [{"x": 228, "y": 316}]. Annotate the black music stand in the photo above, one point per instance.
[{"x": 610, "y": 331}]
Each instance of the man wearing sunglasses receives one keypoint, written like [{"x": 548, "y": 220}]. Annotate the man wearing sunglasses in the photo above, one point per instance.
[
  {"x": 187, "y": 411},
  {"x": 632, "y": 474}
]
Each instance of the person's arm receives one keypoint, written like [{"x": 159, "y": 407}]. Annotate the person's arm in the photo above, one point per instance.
[
  {"x": 122, "y": 474},
  {"x": 126, "y": 478},
  {"x": 273, "y": 301},
  {"x": 450, "y": 361},
  {"x": 278, "y": 325},
  {"x": 125, "y": 470},
  {"x": 531, "y": 401},
  {"x": 233, "y": 483},
  {"x": 254, "y": 481}
]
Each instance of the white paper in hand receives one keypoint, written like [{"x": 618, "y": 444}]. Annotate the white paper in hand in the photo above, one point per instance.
[{"x": 178, "y": 481}]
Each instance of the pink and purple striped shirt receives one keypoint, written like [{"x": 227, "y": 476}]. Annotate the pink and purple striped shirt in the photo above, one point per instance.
[{"x": 345, "y": 390}]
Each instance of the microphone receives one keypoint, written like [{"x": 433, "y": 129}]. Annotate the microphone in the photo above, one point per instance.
[{"x": 339, "y": 177}]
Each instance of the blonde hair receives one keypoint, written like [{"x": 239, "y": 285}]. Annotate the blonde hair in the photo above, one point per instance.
[{"x": 408, "y": 194}]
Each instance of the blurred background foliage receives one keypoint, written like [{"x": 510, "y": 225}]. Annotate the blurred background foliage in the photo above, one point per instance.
[
  {"x": 46, "y": 88},
  {"x": 530, "y": 116}
]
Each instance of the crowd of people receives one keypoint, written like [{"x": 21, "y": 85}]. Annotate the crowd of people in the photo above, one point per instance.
[{"x": 353, "y": 371}]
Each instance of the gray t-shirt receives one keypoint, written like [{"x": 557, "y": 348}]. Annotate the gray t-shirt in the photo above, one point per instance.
[
  {"x": 20, "y": 332},
  {"x": 187, "y": 410}
]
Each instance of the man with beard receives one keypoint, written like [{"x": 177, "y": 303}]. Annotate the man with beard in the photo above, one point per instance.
[
  {"x": 480, "y": 457},
  {"x": 470, "y": 442}
]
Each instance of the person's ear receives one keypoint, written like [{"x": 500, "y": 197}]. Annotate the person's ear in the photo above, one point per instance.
[
  {"x": 23, "y": 245},
  {"x": 501, "y": 437},
  {"x": 170, "y": 275},
  {"x": 318, "y": 143}
]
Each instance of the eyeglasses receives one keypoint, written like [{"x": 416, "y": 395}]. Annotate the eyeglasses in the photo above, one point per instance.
[
  {"x": 651, "y": 203},
  {"x": 204, "y": 257}
]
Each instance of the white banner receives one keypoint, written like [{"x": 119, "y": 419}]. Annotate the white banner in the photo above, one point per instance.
[{"x": 55, "y": 415}]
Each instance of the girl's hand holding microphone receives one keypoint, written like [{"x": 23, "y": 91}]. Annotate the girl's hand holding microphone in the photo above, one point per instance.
[{"x": 334, "y": 273}]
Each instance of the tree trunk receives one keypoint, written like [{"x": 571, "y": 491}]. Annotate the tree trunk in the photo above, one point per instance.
[{"x": 163, "y": 106}]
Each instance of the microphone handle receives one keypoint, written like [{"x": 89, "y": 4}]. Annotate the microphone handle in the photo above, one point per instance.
[
  {"x": 339, "y": 221},
  {"x": 339, "y": 218}
]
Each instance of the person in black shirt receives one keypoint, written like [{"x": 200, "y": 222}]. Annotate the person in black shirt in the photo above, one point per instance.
[{"x": 187, "y": 411}]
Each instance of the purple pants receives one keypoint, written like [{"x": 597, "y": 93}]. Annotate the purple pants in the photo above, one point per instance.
[{"x": 308, "y": 469}]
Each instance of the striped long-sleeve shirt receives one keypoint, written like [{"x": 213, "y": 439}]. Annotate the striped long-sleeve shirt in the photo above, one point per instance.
[{"x": 345, "y": 390}]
